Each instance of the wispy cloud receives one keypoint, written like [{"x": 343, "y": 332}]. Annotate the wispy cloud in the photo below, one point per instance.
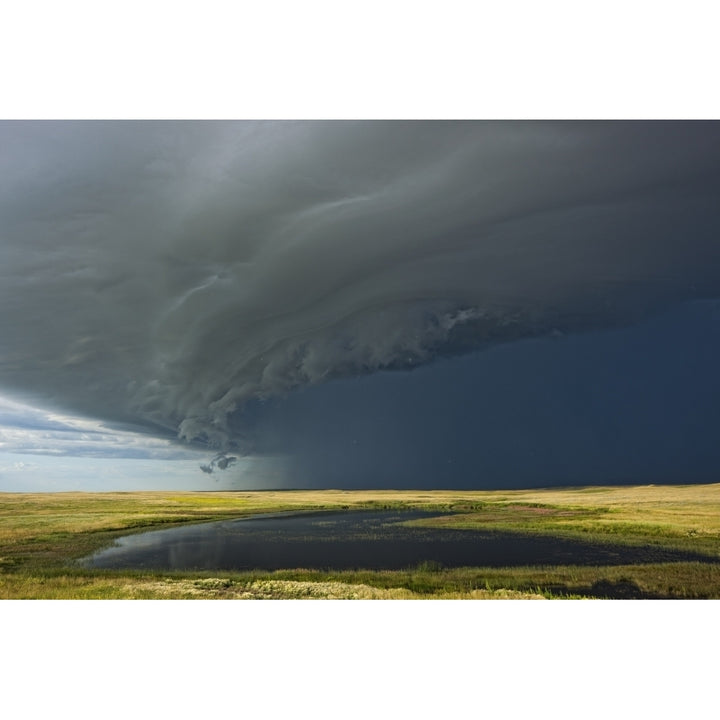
[{"x": 35, "y": 431}]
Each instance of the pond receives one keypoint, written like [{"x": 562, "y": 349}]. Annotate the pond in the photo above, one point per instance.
[{"x": 355, "y": 539}]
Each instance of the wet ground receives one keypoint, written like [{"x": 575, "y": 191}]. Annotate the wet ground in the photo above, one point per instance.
[{"x": 349, "y": 540}]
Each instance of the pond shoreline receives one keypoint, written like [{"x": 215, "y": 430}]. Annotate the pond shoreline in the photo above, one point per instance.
[{"x": 357, "y": 539}]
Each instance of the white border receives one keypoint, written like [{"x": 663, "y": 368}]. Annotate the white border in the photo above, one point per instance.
[{"x": 371, "y": 59}]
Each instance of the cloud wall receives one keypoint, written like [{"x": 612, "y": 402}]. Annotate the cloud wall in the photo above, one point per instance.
[{"x": 166, "y": 273}]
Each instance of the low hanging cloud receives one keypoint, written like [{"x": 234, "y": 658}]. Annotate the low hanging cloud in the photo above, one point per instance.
[
  {"x": 166, "y": 273},
  {"x": 221, "y": 461}
]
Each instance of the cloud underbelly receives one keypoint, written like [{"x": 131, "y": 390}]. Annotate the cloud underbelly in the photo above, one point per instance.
[{"x": 168, "y": 273}]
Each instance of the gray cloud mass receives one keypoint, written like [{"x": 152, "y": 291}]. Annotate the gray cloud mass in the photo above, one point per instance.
[{"x": 165, "y": 273}]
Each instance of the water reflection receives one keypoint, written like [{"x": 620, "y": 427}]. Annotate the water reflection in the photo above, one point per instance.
[{"x": 348, "y": 540}]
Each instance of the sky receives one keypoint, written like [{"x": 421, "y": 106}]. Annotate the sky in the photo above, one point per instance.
[{"x": 358, "y": 304}]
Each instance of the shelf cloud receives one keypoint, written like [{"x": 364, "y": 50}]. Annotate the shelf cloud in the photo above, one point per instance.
[{"x": 170, "y": 274}]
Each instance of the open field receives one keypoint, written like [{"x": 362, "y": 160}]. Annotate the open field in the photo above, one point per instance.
[{"x": 42, "y": 534}]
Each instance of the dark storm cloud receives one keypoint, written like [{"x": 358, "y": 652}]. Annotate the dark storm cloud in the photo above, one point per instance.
[
  {"x": 221, "y": 461},
  {"x": 638, "y": 404},
  {"x": 168, "y": 273}
]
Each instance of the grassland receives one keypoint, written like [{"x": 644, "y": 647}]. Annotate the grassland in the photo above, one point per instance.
[{"x": 42, "y": 534}]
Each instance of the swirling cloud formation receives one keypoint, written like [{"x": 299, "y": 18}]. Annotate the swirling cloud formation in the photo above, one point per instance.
[{"x": 165, "y": 273}]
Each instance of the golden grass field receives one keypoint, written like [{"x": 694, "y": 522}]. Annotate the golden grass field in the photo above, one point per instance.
[{"x": 41, "y": 534}]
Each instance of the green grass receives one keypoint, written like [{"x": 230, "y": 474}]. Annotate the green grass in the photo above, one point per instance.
[{"x": 42, "y": 534}]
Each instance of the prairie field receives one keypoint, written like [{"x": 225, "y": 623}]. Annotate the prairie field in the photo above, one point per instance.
[{"x": 43, "y": 535}]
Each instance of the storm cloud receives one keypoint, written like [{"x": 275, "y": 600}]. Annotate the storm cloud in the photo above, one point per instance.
[{"x": 176, "y": 275}]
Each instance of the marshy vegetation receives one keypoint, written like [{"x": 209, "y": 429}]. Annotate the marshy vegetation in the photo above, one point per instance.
[{"x": 677, "y": 528}]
